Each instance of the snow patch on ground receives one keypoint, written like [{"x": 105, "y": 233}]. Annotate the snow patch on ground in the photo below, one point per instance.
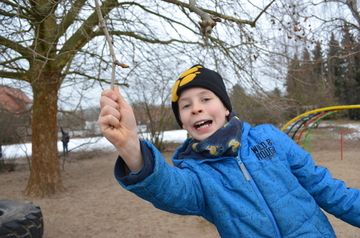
[{"x": 83, "y": 144}]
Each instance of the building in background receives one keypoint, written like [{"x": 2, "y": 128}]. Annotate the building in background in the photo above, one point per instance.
[{"x": 15, "y": 115}]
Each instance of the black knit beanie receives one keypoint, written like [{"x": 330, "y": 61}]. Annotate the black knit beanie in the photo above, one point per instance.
[{"x": 198, "y": 76}]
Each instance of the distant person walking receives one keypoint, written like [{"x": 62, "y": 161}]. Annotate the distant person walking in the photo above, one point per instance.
[{"x": 65, "y": 140}]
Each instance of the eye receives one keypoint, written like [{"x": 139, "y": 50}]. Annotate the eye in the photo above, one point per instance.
[
  {"x": 206, "y": 99},
  {"x": 185, "y": 106}
]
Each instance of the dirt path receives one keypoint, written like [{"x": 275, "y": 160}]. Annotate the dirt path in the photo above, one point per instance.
[{"x": 94, "y": 205}]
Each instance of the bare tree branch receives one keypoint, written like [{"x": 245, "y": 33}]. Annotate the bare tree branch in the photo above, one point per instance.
[
  {"x": 110, "y": 43},
  {"x": 12, "y": 75},
  {"x": 15, "y": 46},
  {"x": 208, "y": 22},
  {"x": 70, "y": 17}
]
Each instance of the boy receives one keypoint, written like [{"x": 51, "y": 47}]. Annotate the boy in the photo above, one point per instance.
[
  {"x": 65, "y": 140},
  {"x": 248, "y": 182}
]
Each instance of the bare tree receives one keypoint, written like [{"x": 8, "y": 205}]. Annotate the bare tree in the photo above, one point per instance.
[
  {"x": 150, "y": 100},
  {"x": 57, "y": 49},
  {"x": 301, "y": 25}
]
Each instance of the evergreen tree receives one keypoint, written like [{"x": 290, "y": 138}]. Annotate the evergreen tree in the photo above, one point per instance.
[
  {"x": 293, "y": 78},
  {"x": 317, "y": 65},
  {"x": 335, "y": 70},
  {"x": 350, "y": 93},
  {"x": 320, "y": 90},
  {"x": 299, "y": 82},
  {"x": 308, "y": 83}
]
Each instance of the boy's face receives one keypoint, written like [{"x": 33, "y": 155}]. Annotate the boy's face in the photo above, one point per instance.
[{"x": 201, "y": 112}]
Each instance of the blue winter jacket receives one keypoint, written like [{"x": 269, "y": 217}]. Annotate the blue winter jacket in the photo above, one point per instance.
[{"x": 271, "y": 189}]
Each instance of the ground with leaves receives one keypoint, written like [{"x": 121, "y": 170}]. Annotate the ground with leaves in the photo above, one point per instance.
[{"x": 94, "y": 205}]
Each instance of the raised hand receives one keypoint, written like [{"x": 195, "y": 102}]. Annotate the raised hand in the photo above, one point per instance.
[{"x": 118, "y": 125}]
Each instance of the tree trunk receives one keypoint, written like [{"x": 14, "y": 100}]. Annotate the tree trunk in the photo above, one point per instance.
[{"x": 45, "y": 173}]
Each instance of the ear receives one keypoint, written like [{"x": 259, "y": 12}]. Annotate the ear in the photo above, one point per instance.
[{"x": 227, "y": 113}]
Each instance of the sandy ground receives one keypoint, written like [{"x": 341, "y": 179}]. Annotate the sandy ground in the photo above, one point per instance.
[{"x": 94, "y": 205}]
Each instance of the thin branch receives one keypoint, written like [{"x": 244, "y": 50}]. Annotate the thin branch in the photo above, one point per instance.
[
  {"x": 207, "y": 21},
  {"x": 257, "y": 18},
  {"x": 24, "y": 51},
  {"x": 110, "y": 42},
  {"x": 153, "y": 41}
]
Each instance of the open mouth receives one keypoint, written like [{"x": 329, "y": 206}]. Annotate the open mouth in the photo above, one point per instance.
[{"x": 202, "y": 124}]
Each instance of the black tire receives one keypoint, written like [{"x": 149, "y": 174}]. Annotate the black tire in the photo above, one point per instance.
[{"x": 20, "y": 219}]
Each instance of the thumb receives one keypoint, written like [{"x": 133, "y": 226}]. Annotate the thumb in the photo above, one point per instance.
[{"x": 121, "y": 100}]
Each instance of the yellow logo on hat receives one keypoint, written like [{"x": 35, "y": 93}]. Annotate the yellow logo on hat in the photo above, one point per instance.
[{"x": 185, "y": 78}]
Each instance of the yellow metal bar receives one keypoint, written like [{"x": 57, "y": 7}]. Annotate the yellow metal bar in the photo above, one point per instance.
[{"x": 319, "y": 110}]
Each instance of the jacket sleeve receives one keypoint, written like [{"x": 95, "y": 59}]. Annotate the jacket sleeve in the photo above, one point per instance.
[
  {"x": 330, "y": 194},
  {"x": 121, "y": 170},
  {"x": 167, "y": 187}
]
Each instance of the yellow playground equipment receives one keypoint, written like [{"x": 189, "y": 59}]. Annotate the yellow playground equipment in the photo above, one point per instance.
[{"x": 309, "y": 119}]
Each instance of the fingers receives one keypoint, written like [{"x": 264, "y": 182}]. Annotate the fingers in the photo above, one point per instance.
[
  {"x": 110, "y": 94},
  {"x": 113, "y": 98},
  {"x": 112, "y": 105},
  {"x": 107, "y": 101},
  {"x": 108, "y": 110},
  {"x": 117, "y": 120},
  {"x": 108, "y": 117},
  {"x": 108, "y": 123},
  {"x": 120, "y": 99}
]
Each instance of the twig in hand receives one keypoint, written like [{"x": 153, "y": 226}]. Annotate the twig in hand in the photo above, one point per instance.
[{"x": 110, "y": 42}]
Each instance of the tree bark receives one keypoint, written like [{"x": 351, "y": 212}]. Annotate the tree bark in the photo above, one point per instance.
[{"x": 45, "y": 173}]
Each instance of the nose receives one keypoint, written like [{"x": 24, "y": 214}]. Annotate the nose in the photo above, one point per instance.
[{"x": 197, "y": 109}]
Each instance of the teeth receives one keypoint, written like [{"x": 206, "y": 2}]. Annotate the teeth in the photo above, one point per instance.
[
  {"x": 203, "y": 126},
  {"x": 200, "y": 123}
]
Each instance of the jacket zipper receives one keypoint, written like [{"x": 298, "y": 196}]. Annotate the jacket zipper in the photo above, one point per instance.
[{"x": 259, "y": 195}]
